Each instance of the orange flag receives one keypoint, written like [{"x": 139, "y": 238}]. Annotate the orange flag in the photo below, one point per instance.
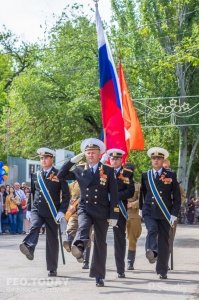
[{"x": 133, "y": 130}]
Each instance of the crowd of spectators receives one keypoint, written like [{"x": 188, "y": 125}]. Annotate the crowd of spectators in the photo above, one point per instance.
[{"x": 13, "y": 207}]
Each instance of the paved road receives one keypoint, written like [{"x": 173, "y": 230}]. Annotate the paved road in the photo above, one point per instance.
[{"x": 22, "y": 279}]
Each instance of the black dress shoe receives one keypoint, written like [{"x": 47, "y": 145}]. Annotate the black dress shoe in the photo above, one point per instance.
[
  {"x": 99, "y": 282},
  {"x": 27, "y": 251},
  {"x": 163, "y": 276},
  {"x": 52, "y": 273},
  {"x": 121, "y": 275},
  {"x": 85, "y": 265}
]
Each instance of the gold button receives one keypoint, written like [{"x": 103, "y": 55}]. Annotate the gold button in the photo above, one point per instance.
[
  {"x": 86, "y": 195},
  {"x": 152, "y": 197},
  {"x": 96, "y": 190},
  {"x": 87, "y": 189},
  {"x": 86, "y": 201},
  {"x": 160, "y": 192},
  {"x": 152, "y": 203},
  {"x": 95, "y": 196},
  {"x": 95, "y": 202}
]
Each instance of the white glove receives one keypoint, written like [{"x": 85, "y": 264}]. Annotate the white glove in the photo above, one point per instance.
[
  {"x": 104, "y": 158},
  {"x": 59, "y": 216},
  {"x": 112, "y": 222},
  {"x": 77, "y": 158},
  {"x": 173, "y": 219},
  {"x": 28, "y": 215},
  {"x": 140, "y": 213}
]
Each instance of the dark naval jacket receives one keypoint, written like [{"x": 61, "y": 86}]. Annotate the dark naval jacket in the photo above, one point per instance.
[
  {"x": 125, "y": 184},
  {"x": 99, "y": 195},
  {"x": 58, "y": 190},
  {"x": 168, "y": 188}
]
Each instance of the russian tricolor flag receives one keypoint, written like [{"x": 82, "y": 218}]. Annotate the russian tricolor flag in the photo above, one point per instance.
[{"x": 111, "y": 102}]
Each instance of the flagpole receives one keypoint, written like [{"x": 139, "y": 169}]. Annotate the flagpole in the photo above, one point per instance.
[{"x": 96, "y": 2}]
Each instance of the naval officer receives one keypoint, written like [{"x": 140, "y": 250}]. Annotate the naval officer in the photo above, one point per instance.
[
  {"x": 125, "y": 191},
  {"x": 47, "y": 183},
  {"x": 159, "y": 205},
  {"x": 98, "y": 203}
]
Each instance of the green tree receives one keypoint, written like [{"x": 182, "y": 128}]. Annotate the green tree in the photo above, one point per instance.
[
  {"x": 158, "y": 42},
  {"x": 56, "y": 99}
]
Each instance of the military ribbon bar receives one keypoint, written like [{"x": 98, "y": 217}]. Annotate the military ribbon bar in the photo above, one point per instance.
[
  {"x": 47, "y": 196},
  {"x": 157, "y": 197}
]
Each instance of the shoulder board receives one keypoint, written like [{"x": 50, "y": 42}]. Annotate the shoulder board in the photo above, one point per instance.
[
  {"x": 107, "y": 165},
  {"x": 81, "y": 165},
  {"x": 128, "y": 170},
  {"x": 144, "y": 173},
  {"x": 169, "y": 171}
]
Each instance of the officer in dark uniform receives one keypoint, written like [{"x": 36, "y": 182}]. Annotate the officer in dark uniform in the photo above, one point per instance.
[
  {"x": 98, "y": 203},
  {"x": 158, "y": 227},
  {"x": 41, "y": 214},
  {"x": 125, "y": 190}
]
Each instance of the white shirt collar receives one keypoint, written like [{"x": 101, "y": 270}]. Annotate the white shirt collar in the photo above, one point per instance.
[
  {"x": 159, "y": 171},
  {"x": 118, "y": 169},
  {"x": 94, "y": 167},
  {"x": 48, "y": 171}
]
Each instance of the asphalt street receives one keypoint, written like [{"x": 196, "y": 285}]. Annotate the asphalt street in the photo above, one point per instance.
[{"x": 24, "y": 279}]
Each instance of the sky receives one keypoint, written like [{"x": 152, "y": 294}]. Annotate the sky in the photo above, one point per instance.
[{"x": 27, "y": 18}]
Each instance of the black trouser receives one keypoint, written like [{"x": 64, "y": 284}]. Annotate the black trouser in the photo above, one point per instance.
[
  {"x": 120, "y": 243},
  {"x": 158, "y": 240},
  {"x": 52, "y": 242},
  {"x": 98, "y": 263}
]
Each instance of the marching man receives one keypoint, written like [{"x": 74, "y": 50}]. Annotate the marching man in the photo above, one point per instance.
[
  {"x": 125, "y": 191},
  {"x": 51, "y": 199},
  {"x": 98, "y": 203},
  {"x": 159, "y": 205}
]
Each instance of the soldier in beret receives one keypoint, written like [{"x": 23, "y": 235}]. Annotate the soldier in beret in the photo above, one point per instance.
[
  {"x": 98, "y": 201},
  {"x": 159, "y": 205},
  {"x": 40, "y": 212}
]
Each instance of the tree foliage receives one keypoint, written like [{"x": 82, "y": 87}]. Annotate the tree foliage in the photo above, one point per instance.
[
  {"x": 49, "y": 91},
  {"x": 158, "y": 43}
]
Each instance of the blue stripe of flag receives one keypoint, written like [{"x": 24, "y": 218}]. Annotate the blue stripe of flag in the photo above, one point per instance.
[{"x": 107, "y": 72}]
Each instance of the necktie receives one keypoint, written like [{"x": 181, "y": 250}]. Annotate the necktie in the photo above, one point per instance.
[
  {"x": 45, "y": 174},
  {"x": 92, "y": 170},
  {"x": 157, "y": 175}
]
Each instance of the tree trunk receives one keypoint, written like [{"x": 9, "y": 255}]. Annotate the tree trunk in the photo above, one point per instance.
[
  {"x": 182, "y": 159},
  {"x": 183, "y": 131},
  {"x": 193, "y": 151}
]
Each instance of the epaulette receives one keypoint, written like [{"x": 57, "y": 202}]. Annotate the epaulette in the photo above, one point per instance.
[
  {"x": 170, "y": 171},
  {"x": 107, "y": 165},
  {"x": 81, "y": 165},
  {"x": 128, "y": 170}
]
